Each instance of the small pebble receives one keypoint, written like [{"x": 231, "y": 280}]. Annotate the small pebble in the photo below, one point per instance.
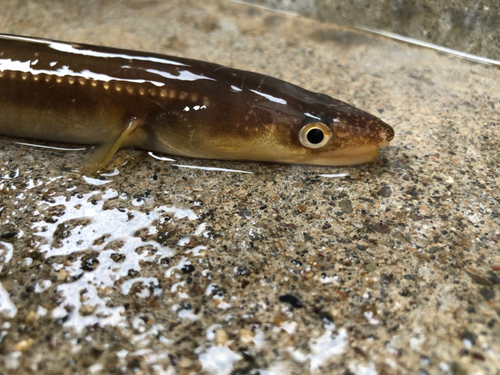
[
  {"x": 221, "y": 337},
  {"x": 87, "y": 310},
  {"x": 23, "y": 345},
  {"x": 185, "y": 362},
  {"x": 62, "y": 275},
  {"x": 246, "y": 335},
  {"x": 291, "y": 300},
  {"x": 31, "y": 317}
]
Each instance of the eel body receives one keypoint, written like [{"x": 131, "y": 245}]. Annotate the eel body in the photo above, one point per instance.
[{"x": 67, "y": 92}]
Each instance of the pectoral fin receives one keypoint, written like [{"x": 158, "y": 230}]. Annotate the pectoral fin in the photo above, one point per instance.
[{"x": 102, "y": 153}]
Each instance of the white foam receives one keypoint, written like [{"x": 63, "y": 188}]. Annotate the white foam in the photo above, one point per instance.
[
  {"x": 6, "y": 251},
  {"x": 7, "y": 308},
  {"x": 323, "y": 348},
  {"x": 218, "y": 360},
  {"x": 97, "y": 229}
]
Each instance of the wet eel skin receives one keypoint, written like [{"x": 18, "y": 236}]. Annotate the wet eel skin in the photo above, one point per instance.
[{"x": 114, "y": 98}]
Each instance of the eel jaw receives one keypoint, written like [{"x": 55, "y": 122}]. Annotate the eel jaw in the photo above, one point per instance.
[{"x": 347, "y": 156}]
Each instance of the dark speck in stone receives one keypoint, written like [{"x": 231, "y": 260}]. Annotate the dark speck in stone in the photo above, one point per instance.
[
  {"x": 245, "y": 213},
  {"x": 132, "y": 273},
  {"x": 326, "y": 317},
  {"x": 381, "y": 228},
  {"x": 242, "y": 271},
  {"x": 478, "y": 356},
  {"x": 307, "y": 237},
  {"x": 25, "y": 295},
  {"x": 57, "y": 299},
  {"x": 188, "y": 268},
  {"x": 89, "y": 264},
  {"x": 346, "y": 206},
  {"x": 288, "y": 298},
  {"x": 165, "y": 261},
  {"x": 487, "y": 293},
  {"x": 385, "y": 192},
  {"x": 493, "y": 277},
  {"x": 117, "y": 257},
  {"x": 162, "y": 237},
  {"x": 468, "y": 335},
  {"x": 463, "y": 352},
  {"x": 30, "y": 289}
]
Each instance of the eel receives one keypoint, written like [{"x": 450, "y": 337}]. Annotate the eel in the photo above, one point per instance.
[{"x": 113, "y": 98}]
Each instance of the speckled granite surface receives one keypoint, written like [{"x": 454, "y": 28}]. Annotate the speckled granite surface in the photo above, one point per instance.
[{"x": 154, "y": 268}]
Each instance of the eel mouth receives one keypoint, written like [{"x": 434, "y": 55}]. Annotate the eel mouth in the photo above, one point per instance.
[{"x": 347, "y": 156}]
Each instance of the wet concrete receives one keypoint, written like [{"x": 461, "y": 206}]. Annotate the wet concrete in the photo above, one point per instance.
[{"x": 391, "y": 267}]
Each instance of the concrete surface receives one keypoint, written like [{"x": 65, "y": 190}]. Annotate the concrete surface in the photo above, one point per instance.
[{"x": 154, "y": 268}]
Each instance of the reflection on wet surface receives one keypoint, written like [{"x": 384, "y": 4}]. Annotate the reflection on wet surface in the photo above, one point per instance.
[{"x": 109, "y": 235}]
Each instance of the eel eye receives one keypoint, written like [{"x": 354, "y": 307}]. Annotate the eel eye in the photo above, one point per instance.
[{"x": 315, "y": 135}]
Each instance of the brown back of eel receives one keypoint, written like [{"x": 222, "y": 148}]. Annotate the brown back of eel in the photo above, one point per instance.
[{"x": 66, "y": 92}]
